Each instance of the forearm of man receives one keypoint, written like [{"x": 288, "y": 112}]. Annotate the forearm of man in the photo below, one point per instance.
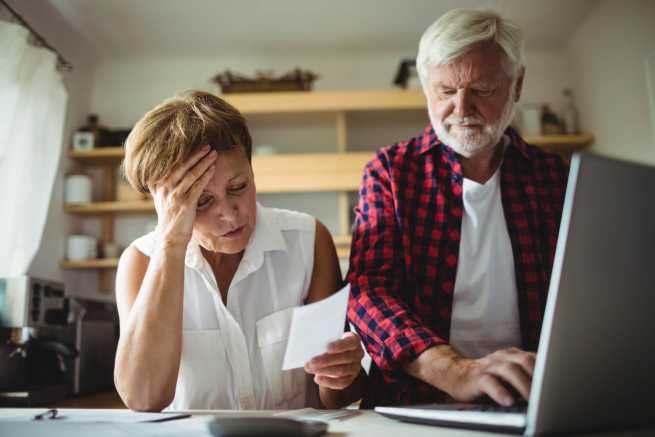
[
  {"x": 148, "y": 354},
  {"x": 438, "y": 366},
  {"x": 333, "y": 399}
]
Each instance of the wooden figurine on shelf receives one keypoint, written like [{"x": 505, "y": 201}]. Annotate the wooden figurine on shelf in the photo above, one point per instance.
[
  {"x": 265, "y": 81},
  {"x": 550, "y": 123},
  {"x": 570, "y": 114},
  {"x": 406, "y": 75}
]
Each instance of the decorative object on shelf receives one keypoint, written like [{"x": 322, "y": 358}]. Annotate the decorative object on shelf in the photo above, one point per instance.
[
  {"x": 91, "y": 135},
  {"x": 265, "y": 81},
  {"x": 81, "y": 247},
  {"x": 265, "y": 150},
  {"x": 570, "y": 114},
  {"x": 110, "y": 249},
  {"x": 406, "y": 75},
  {"x": 116, "y": 137},
  {"x": 550, "y": 123},
  {"x": 531, "y": 120},
  {"x": 82, "y": 140},
  {"x": 77, "y": 189}
]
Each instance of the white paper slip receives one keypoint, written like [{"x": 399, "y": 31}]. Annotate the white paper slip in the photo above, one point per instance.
[{"x": 315, "y": 325}]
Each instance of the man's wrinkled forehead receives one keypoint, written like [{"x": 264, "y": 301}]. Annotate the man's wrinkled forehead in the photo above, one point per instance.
[{"x": 484, "y": 65}]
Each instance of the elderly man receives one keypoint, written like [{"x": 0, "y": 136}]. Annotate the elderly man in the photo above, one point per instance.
[{"x": 455, "y": 230}]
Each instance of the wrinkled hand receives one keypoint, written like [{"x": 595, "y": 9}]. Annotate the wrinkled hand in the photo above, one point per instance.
[
  {"x": 340, "y": 365},
  {"x": 176, "y": 195},
  {"x": 495, "y": 375}
]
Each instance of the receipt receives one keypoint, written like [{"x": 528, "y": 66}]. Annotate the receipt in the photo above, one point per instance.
[{"x": 315, "y": 325}]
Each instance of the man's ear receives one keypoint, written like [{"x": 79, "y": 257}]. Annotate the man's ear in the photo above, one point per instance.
[{"x": 519, "y": 84}]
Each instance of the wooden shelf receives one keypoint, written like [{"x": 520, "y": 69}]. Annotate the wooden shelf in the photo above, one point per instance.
[
  {"x": 342, "y": 240},
  {"x": 560, "y": 139},
  {"x": 102, "y": 263},
  {"x": 562, "y": 143},
  {"x": 342, "y": 243},
  {"x": 99, "y": 156},
  {"x": 326, "y": 101},
  {"x": 343, "y": 253},
  {"x": 309, "y": 172},
  {"x": 100, "y": 208}
]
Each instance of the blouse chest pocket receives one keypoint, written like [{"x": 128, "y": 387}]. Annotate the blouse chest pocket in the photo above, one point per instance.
[
  {"x": 204, "y": 377},
  {"x": 287, "y": 386}
]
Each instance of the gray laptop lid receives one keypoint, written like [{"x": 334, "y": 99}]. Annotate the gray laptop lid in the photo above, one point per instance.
[{"x": 596, "y": 362}]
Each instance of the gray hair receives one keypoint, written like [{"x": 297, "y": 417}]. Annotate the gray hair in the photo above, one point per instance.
[{"x": 455, "y": 32}]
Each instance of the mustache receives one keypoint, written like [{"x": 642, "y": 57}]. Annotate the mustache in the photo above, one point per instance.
[{"x": 471, "y": 120}]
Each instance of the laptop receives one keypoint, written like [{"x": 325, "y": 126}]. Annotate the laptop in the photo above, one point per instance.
[{"x": 595, "y": 367}]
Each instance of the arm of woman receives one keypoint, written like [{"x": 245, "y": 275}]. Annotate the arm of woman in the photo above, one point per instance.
[
  {"x": 149, "y": 294},
  {"x": 150, "y": 291},
  {"x": 338, "y": 372}
]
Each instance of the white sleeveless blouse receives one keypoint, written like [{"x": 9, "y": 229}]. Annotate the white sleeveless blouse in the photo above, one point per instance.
[{"x": 232, "y": 354}]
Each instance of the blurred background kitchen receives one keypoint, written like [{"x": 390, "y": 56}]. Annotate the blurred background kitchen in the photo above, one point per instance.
[{"x": 322, "y": 85}]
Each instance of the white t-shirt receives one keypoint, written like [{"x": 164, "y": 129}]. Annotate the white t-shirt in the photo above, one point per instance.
[
  {"x": 485, "y": 314},
  {"x": 232, "y": 354}
]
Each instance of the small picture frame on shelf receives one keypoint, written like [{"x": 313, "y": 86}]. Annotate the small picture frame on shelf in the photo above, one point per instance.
[{"x": 83, "y": 141}]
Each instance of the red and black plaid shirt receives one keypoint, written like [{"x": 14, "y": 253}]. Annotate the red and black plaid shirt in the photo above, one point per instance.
[{"x": 405, "y": 248}]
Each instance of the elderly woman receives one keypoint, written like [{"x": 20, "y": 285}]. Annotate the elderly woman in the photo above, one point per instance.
[{"x": 205, "y": 300}]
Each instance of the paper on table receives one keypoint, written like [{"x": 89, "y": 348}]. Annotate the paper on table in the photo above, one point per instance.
[
  {"x": 313, "y": 326},
  {"x": 92, "y": 416}
]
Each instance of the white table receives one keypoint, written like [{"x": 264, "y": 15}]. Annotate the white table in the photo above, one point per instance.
[{"x": 354, "y": 423}]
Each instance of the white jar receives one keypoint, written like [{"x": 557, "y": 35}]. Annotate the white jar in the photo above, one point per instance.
[
  {"x": 81, "y": 247},
  {"x": 265, "y": 150},
  {"x": 77, "y": 189},
  {"x": 531, "y": 120}
]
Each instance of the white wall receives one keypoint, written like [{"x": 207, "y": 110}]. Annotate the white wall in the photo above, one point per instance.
[
  {"x": 78, "y": 83},
  {"x": 607, "y": 57},
  {"x": 124, "y": 89}
]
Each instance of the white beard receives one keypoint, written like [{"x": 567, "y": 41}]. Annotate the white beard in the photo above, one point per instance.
[{"x": 468, "y": 142}]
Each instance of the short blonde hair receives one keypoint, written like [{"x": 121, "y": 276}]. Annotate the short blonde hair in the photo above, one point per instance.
[
  {"x": 458, "y": 31},
  {"x": 167, "y": 134}
]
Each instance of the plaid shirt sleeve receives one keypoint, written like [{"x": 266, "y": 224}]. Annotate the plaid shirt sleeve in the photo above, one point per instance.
[{"x": 390, "y": 329}]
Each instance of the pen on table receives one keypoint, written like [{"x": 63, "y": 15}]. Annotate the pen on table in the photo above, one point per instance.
[{"x": 49, "y": 414}]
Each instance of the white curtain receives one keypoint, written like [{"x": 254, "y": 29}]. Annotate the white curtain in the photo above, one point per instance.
[{"x": 32, "y": 110}]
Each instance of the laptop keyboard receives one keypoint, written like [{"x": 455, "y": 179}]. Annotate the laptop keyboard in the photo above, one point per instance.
[
  {"x": 520, "y": 407},
  {"x": 517, "y": 408}
]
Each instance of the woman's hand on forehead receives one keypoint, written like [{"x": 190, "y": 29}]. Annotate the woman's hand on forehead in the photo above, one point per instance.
[{"x": 176, "y": 195}]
